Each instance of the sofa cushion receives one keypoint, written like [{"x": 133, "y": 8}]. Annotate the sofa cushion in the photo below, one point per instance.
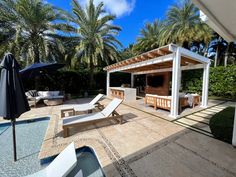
[
  {"x": 32, "y": 93},
  {"x": 181, "y": 94},
  {"x": 28, "y": 95},
  {"x": 152, "y": 95},
  {"x": 54, "y": 93},
  {"x": 43, "y": 94}
]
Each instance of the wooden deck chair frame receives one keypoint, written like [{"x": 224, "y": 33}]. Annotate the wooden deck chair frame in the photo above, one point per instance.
[
  {"x": 94, "y": 101},
  {"x": 110, "y": 116}
]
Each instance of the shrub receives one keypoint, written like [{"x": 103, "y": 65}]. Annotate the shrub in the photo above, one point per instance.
[
  {"x": 222, "y": 81},
  {"x": 73, "y": 82},
  {"x": 221, "y": 124}
]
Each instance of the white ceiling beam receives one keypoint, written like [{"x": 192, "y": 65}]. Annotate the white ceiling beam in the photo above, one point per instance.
[
  {"x": 189, "y": 54},
  {"x": 188, "y": 67},
  {"x": 156, "y": 60}
]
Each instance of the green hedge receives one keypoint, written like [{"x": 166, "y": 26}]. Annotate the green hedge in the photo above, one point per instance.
[
  {"x": 221, "y": 124},
  {"x": 75, "y": 82},
  {"x": 222, "y": 81}
]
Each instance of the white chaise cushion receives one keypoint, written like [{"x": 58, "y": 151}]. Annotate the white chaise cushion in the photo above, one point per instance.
[
  {"x": 62, "y": 165},
  {"x": 96, "y": 99},
  {"x": 82, "y": 118},
  {"x": 111, "y": 107}
]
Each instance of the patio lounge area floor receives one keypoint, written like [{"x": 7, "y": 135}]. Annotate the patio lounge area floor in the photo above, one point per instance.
[{"x": 145, "y": 145}]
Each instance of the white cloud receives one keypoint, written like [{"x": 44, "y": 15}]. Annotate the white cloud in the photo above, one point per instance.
[{"x": 115, "y": 7}]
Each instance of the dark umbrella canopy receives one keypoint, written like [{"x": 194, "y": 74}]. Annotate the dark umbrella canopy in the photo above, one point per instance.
[
  {"x": 37, "y": 71},
  {"x": 36, "y": 68},
  {"x": 13, "y": 100}
]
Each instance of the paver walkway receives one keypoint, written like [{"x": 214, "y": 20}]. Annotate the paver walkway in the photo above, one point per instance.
[{"x": 199, "y": 121}]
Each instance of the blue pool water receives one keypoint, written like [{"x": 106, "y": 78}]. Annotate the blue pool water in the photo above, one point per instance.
[
  {"x": 3, "y": 128},
  {"x": 29, "y": 138}
]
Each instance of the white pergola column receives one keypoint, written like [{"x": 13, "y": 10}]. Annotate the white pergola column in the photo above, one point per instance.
[
  {"x": 176, "y": 79},
  {"x": 108, "y": 83},
  {"x": 132, "y": 80},
  {"x": 234, "y": 129},
  {"x": 205, "y": 85}
]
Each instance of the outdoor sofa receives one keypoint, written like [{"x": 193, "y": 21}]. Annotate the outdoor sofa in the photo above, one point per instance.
[
  {"x": 35, "y": 97},
  {"x": 82, "y": 107},
  {"x": 108, "y": 113},
  {"x": 164, "y": 102}
]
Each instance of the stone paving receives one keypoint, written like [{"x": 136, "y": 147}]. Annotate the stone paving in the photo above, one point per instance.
[
  {"x": 199, "y": 121},
  {"x": 145, "y": 145}
]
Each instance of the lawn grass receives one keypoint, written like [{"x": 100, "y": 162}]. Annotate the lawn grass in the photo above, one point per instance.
[{"x": 221, "y": 124}]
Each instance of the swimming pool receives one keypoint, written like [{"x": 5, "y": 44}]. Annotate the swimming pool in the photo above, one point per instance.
[
  {"x": 86, "y": 161},
  {"x": 29, "y": 138},
  {"x": 2, "y": 129}
]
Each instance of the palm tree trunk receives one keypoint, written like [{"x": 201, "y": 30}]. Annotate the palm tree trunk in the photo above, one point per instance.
[
  {"x": 216, "y": 56},
  {"x": 226, "y": 56},
  {"x": 91, "y": 74},
  {"x": 185, "y": 45},
  {"x": 36, "y": 53},
  {"x": 206, "y": 50}
]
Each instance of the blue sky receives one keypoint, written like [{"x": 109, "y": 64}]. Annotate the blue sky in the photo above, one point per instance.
[{"x": 131, "y": 14}]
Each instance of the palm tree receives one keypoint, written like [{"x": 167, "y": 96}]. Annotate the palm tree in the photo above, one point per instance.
[
  {"x": 128, "y": 52},
  {"x": 184, "y": 26},
  {"x": 149, "y": 38},
  {"x": 217, "y": 48},
  {"x": 29, "y": 29},
  {"x": 97, "y": 35}
]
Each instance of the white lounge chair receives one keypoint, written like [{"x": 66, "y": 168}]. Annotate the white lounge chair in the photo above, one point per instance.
[
  {"x": 109, "y": 110},
  {"x": 83, "y": 107},
  {"x": 61, "y": 166}
]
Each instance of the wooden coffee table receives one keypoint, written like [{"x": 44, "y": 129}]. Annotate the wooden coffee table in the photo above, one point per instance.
[
  {"x": 53, "y": 101},
  {"x": 73, "y": 110}
]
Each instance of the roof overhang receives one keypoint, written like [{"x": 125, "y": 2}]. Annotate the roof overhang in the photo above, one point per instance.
[
  {"x": 220, "y": 16},
  {"x": 159, "y": 60}
]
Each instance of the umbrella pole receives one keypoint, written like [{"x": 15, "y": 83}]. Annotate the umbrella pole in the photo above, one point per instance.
[{"x": 13, "y": 122}]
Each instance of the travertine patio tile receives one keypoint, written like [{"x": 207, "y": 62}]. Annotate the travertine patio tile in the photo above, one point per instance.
[{"x": 145, "y": 145}]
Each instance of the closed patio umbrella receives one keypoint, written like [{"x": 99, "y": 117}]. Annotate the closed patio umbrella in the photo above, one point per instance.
[{"x": 12, "y": 95}]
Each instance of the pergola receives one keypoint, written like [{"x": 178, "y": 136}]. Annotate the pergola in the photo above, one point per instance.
[{"x": 169, "y": 58}]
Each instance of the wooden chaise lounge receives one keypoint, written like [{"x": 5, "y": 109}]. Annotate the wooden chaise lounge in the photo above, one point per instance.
[
  {"x": 82, "y": 107},
  {"x": 107, "y": 113}
]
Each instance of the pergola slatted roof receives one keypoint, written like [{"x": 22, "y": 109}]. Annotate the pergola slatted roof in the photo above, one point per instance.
[
  {"x": 163, "y": 57},
  {"x": 142, "y": 57}
]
